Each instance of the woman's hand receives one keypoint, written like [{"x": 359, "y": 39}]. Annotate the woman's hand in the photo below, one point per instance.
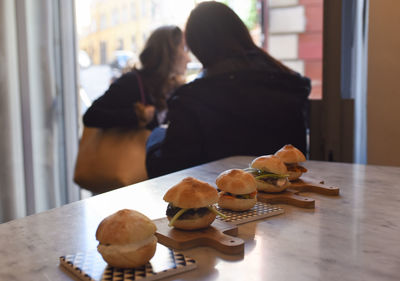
[{"x": 145, "y": 113}]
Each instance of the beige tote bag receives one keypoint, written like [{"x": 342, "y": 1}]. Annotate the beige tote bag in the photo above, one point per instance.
[{"x": 111, "y": 158}]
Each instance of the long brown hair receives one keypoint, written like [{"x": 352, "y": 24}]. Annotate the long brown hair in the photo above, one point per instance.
[
  {"x": 157, "y": 61},
  {"x": 214, "y": 33}
]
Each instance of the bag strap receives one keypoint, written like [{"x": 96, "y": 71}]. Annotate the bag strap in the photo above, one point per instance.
[{"x": 140, "y": 83}]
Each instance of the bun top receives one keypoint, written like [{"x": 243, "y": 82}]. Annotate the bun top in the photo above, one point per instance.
[
  {"x": 290, "y": 154},
  {"x": 269, "y": 163},
  {"x": 191, "y": 193},
  {"x": 125, "y": 227},
  {"x": 236, "y": 181}
]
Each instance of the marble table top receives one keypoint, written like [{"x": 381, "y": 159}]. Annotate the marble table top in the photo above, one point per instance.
[{"x": 353, "y": 236}]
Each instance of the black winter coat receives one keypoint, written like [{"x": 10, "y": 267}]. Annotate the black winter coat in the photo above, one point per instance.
[
  {"x": 239, "y": 113},
  {"x": 116, "y": 107}
]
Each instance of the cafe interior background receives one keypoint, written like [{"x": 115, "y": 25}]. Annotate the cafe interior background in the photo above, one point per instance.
[{"x": 58, "y": 56}]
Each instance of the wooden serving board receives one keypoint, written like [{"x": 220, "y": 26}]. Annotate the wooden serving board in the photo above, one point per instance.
[
  {"x": 289, "y": 197},
  {"x": 306, "y": 185},
  {"x": 218, "y": 236}
]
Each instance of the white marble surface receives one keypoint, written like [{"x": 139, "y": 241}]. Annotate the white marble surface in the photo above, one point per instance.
[{"x": 354, "y": 236}]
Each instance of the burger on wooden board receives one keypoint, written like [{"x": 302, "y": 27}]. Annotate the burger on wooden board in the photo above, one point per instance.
[
  {"x": 191, "y": 204},
  {"x": 291, "y": 156},
  {"x": 238, "y": 190},
  {"x": 270, "y": 173}
]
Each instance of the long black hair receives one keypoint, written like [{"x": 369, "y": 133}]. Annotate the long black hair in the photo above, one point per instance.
[
  {"x": 157, "y": 60},
  {"x": 214, "y": 33}
]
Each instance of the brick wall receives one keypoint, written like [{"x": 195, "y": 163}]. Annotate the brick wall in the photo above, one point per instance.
[{"x": 295, "y": 37}]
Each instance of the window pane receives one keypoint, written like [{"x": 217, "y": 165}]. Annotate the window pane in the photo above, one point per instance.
[{"x": 112, "y": 33}]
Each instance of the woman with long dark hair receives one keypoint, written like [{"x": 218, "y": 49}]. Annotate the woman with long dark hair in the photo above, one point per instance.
[
  {"x": 112, "y": 147},
  {"x": 138, "y": 98},
  {"x": 222, "y": 42},
  {"x": 245, "y": 103}
]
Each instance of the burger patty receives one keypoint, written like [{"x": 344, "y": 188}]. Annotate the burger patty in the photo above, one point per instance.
[
  {"x": 296, "y": 168},
  {"x": 275, "y": 181},
  {"x": 189, "y": 214},
  {"x": 241, "y": 196},
  {"x": 270, "y": 180}
]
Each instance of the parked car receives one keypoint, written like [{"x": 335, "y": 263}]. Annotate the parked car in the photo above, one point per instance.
[{"x": 122, "y": 58}]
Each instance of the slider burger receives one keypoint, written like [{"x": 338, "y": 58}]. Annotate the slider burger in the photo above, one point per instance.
[
  {"x": 238, "y": 190},
  {"x": 270, "y": 173},
  {"x": 291, "y": 156},
  {"x": 191, "y": 204},
  {"x": 126, "y": 239}
]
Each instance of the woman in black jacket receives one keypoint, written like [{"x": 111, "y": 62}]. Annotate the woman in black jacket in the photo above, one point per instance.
[
  {"x": 138, "y": 98},
  {"x": 246, "y": 103}
]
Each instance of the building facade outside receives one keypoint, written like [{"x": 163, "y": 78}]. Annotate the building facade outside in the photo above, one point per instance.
[{"x": 117, "y": 25}]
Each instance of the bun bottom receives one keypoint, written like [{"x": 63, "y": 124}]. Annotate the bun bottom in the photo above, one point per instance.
[
  {"x": 294, "y": 175},
  {"x": 236, "y": 204},
  {"x": 118, "y": 257},
  {"x": 196, "y": 223},
  {"x": 267, "y": 187}
]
